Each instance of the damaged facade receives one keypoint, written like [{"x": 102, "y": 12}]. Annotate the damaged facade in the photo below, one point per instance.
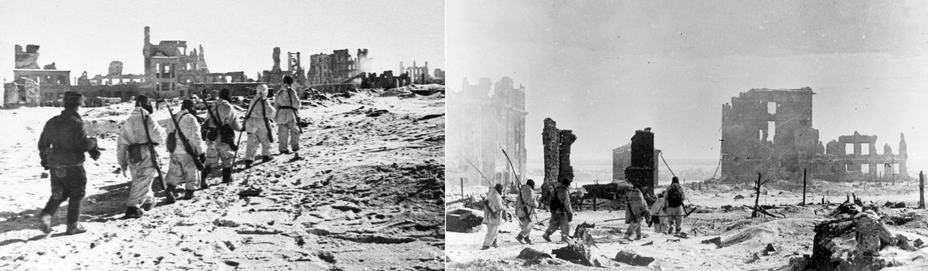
[
  {"x": 33, "y": 86},
  {"x": 170, "y": 69},
  {"x": 338, "y": 71},
  {"x": 487, "y": 122},
  {"x": 274, "y": 76},
  {"x": 770, "y": 131}
]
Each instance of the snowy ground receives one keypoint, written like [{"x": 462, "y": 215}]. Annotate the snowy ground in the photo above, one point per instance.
[
  {"x": 792, "y": 236},
  {"x": 367, "y": 194}
]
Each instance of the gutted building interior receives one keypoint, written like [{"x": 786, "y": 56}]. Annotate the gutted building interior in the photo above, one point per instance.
[{"x": 770, "y": 131}]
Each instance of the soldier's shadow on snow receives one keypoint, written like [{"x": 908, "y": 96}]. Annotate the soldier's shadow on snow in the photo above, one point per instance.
[{"x": 95, "y": 208}]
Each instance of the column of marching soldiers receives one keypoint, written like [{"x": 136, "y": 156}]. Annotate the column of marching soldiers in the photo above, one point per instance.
[{"x": 194, "y": 151}]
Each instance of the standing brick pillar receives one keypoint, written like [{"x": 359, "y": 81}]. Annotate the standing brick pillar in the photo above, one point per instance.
[
  {"x": 566, "y": 171},
  {"x": 551, "y": 138}
]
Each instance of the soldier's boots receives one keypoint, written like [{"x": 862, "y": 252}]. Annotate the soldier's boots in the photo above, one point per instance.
[
  {"x": 169, "y": 194},
  {"x": 203, "y": 175},
  {"x": 227, "y": 175},
  {"x": 45, "y": 223},
  {"x": 266, "y": 159},
  {"x": 546, "y": 236},
  {"x": 75, "y": 228},
  {"x": 528, "y": 241},
  {"x": 519, "y": 238},
  {"x": 248, "y": 163},
  {"x": 133, "y": 212},
  {"x": 188, "y": 195},
  {"x": 148, "y": 206}
]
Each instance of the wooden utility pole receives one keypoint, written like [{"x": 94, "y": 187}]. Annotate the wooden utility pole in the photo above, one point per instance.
[
  {"x": 757, "y": 196},
  {"x": 921, "y": 189},
  {"x": 462, "y": 187},
  {"x": 804, "y": 187},
  {"x": 892, "y": 166}
]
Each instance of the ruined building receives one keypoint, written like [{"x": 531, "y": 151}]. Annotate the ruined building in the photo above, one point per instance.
[
  {"x": 170, "y": 68},
  {"x": 770, "y": 131},
  {"x": 557, "y": 144},
  {"x": 337, "y": 71},
  {"x": 485, "y": 123},
  {"x": 855, "y": 157},
  {"x": 622, "y": 159},
  {"x": 170, "y": 71},
  {"x": 385, "y": 80},
  {"x": 274, "y": 76},
  {"x": 31, "y": 85},
  {"x": 643, "y": 168}
]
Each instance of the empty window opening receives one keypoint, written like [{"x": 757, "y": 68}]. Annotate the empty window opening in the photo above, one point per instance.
[
  {"x": 760, "y": 135},
  {"x": 772, "y": 107},
  {"x": 771, "y": 130},
  {"x": 896, "y": 168},
  {"x": 864, "y": 148},
  {"x": 865, "y": 168},
  {"x": 848, "y": 168},
  {"x": 849, "y": 148},
  {"x": 880, "y": 170}
]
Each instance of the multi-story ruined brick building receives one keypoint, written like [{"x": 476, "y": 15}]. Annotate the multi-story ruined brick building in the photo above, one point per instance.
[
  {"x": 484, "y": 123},
  {"x": 770, "y": 131},
  {"x": 32, "y": 85},
  {"x": 170, "y": 68},
  {"x": 336, "y": 71}
]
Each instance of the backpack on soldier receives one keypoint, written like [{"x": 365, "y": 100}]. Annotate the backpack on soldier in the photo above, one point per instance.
[
  {"x": 674, "y": 196},
  {"x": 555, "y": 202},
  {"x": 545, "y": 198},
  {"x": 171, "y": 142}
]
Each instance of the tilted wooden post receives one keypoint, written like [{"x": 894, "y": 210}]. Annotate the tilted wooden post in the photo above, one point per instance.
[
  {"x": 803, "y": 187},
  {"x": 462, "y": 187}
]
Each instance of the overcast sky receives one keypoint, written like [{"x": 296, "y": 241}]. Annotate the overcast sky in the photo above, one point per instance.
[
  {"x": 605, "y": 69},
  {"x": 236, "y": 35}
]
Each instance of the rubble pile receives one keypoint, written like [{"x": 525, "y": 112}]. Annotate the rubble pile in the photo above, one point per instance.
[
  {"x": 852, "y": 243},
  {"x": 576, "y": 252}
]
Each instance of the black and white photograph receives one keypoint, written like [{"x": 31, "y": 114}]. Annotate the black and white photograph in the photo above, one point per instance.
[
  {"x": 574, "y": 135},
  {"x": 686, "y": 135},
  {"x": 311, "y": 136}
]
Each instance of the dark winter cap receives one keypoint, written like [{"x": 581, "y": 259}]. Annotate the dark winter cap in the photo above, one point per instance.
[
  {"x": 531, "y": 183},
  {"x": 675, "y": 180},
  {"x": 186, "y": 104},
  {"x": 73, "y": 97},
  {"x": 225, "y": 94}
]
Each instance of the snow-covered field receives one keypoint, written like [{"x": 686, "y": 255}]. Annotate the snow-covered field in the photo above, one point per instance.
[{"x": 367, "y": 194}]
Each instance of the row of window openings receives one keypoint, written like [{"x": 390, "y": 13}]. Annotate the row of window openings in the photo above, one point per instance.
[
  {"x": 865, "y": 168},
  {"x": 848, "y": 148},
  {"x": 60, "y": 80}
]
